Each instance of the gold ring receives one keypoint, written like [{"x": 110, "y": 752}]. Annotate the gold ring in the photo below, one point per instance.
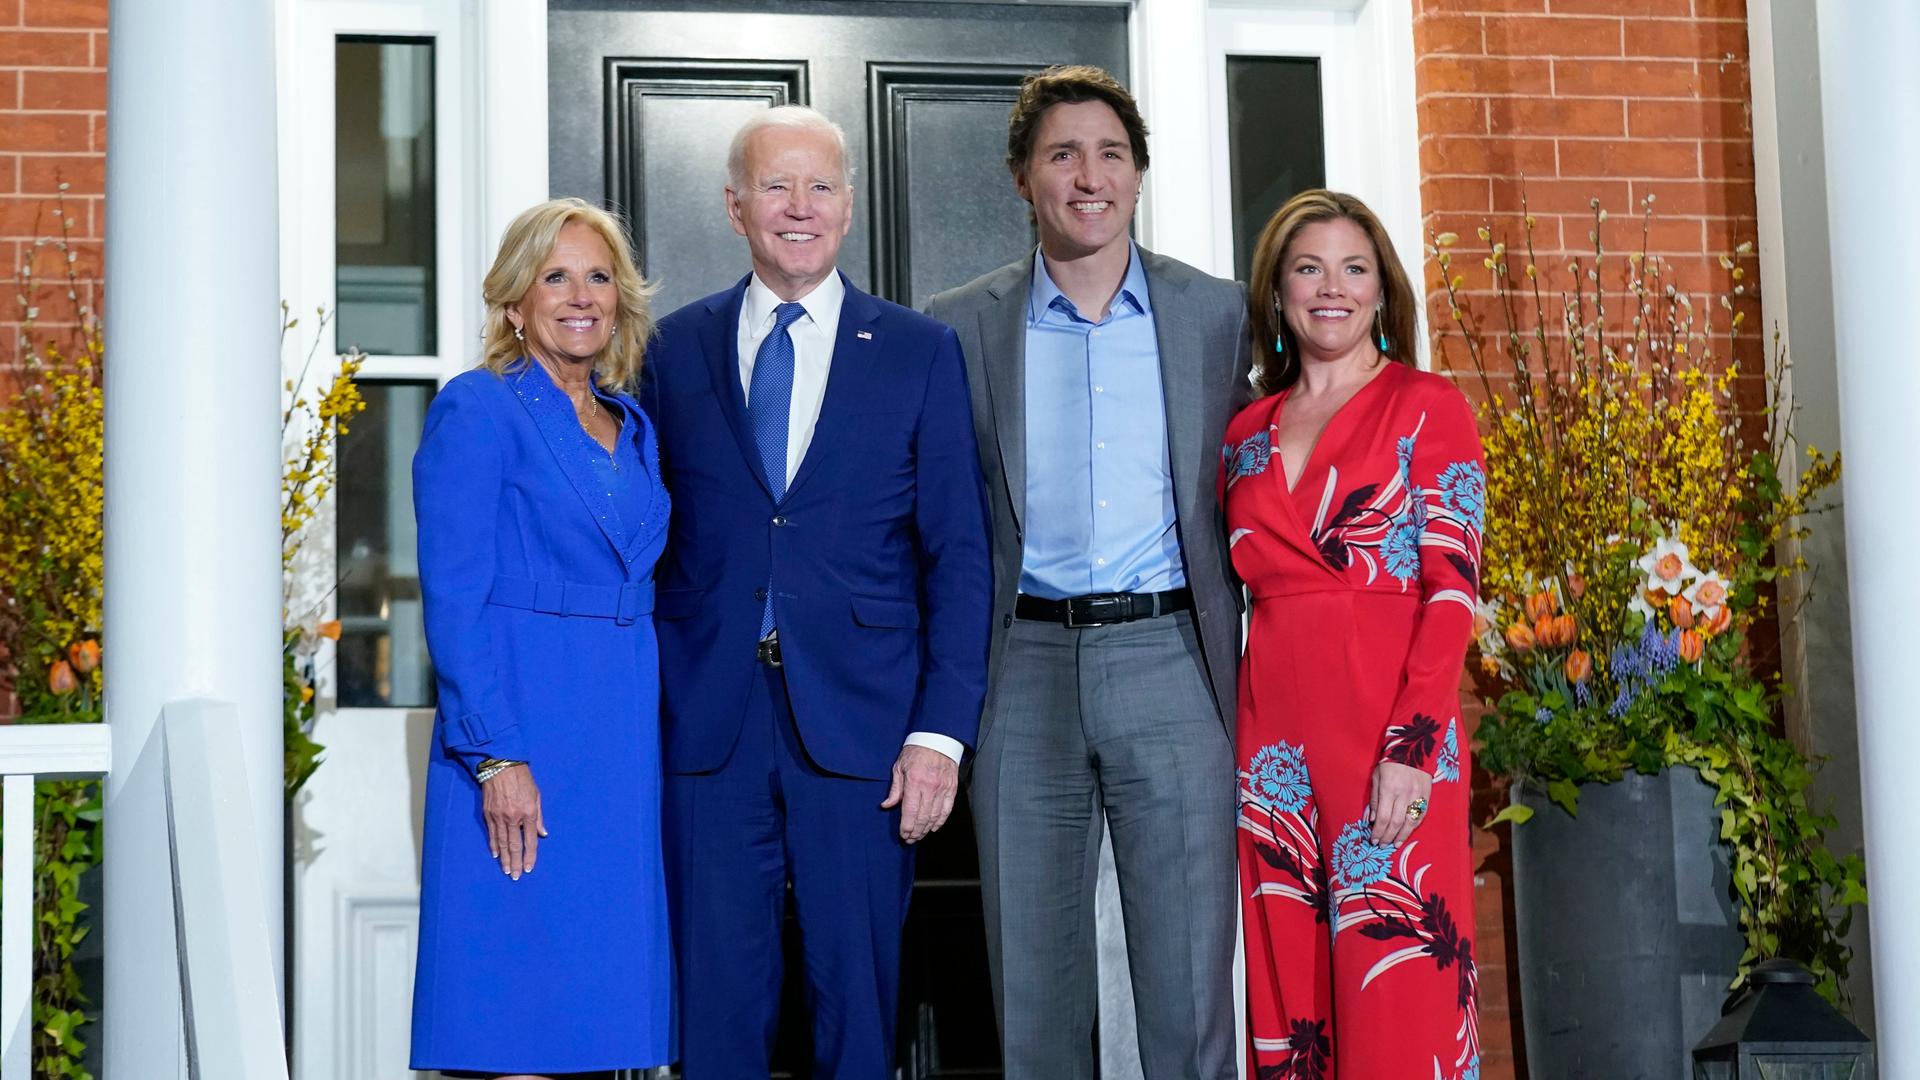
[{"x": 1417, "y": 809}]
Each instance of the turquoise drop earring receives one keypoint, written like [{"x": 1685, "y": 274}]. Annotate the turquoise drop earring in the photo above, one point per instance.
[
  {"x": 1380, "y": 334},
  {"x": 1279, "y": 336}
]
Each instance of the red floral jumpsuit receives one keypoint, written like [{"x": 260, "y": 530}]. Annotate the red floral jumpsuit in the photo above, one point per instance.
[{"x": 1359, "y": 956}]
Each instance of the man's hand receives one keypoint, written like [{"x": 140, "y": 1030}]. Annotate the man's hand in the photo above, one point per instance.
[{"x": 924, "y": 784}]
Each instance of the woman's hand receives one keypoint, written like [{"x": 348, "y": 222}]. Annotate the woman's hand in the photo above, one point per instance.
[
  {"x": 1397, "y": 787},
  {"x": 510, "y": 803}
]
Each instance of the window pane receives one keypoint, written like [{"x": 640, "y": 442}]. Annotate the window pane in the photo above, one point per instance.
[
  {"x": 383, "y": 195},
  {"x": 1274, "y": 139},
  {"x": 382, "y": 656}
]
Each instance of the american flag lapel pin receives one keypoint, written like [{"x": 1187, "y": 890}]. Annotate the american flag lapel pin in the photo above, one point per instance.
[{"x": 863, "y": 335}]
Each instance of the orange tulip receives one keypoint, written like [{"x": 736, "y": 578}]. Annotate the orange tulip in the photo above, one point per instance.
[
  {"x": 85, "y": 655},
  {"x": 329, "y": 629},
  {"x": 1481, "y": 624},
  {"x": 1680, "y": 610},
  {"x": 1717, "y": 621},
  {"x": 1579, "y": 666},
  {"x": 1543, "y": 633},
  {"x": 1490, "y": 665},
  {"x": 1576, "y": 586},
  {"x": 1691, "y": 646},
  {"x": 60, "y": 678},
  {"x": 1539, "y": 606},
  {"x": 1565, "y": 629},
  {"x": 1520, "y": 637}
]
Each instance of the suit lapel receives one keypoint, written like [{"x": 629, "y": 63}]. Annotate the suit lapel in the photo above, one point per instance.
[
  {"x": 720, "y": 342},
  {"x": 856, "y": 342},
  {"x": 1003, "y": 347},
  {"x": 1183, "y": 382},
  {"x": 553, "y": 416}
]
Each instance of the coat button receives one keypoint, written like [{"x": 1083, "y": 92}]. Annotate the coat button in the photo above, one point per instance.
[
  {"x": 760, "y": 594},
  {"x": 780, "y": 520},
  {"x": 1006, "y": 621}
]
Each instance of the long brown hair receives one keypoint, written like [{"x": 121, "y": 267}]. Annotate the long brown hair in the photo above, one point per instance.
[{"x": 1275, "y": 371}]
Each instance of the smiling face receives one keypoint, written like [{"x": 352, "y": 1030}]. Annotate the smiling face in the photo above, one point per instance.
[
  {"x": 1330, "y": 288},
  {"x": 795, "y": 207},
  {"x": 1081, "y": 179},
  {"x": 567, "y": 314}
]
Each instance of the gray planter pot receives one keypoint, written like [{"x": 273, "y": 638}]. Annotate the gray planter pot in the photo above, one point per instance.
[{"x": 1626, "y": 926}]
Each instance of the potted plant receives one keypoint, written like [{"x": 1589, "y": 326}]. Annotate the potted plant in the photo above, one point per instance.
[{"x": 1638, "y": 485}]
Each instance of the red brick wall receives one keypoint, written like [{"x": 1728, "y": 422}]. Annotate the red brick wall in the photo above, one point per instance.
[
  {"x": 1578, "y": 99},
  {"x": 53, "y": 101}
]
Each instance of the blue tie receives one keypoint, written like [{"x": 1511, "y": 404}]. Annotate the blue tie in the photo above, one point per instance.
[{"x": 769, "y": 397}]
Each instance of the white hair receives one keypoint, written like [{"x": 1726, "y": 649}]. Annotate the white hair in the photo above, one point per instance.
[{"x": 783, "y": 116}]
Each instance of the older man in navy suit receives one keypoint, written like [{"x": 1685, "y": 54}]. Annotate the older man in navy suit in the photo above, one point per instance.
[{"x": 822, "y": 612}]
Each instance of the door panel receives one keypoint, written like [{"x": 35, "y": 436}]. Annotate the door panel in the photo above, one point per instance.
[
  {"x": 910, "y": 83},
  {"x": 661, "y": 116},
  {"x": 939, "y": 147},
  {"x": 645, "y": 97}
]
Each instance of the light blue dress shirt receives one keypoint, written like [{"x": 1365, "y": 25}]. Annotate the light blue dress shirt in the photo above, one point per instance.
[{"x": 1099, "y": 499}]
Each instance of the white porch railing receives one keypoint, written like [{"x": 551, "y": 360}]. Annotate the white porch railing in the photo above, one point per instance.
[
  {"x": 221, "y": 939},
  {"x": 28, "y": 753}
]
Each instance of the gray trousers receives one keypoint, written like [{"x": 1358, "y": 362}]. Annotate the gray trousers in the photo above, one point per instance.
[{"x": 1112, "y": 723}]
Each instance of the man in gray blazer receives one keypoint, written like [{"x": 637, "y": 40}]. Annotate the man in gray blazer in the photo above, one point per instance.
[{"x": 1102, "y": 378}]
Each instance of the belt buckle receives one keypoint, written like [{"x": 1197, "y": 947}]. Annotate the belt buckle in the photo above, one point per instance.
[
  {"x": 767, "y": 651},
  {"x": 1112, "y": 603}
]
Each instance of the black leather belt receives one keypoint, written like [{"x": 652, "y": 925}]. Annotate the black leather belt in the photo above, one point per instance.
[
  {"x": 768, "y": 651},
  {"x": 1102, "y": 608}
]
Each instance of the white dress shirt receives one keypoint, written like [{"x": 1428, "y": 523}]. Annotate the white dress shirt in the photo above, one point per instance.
[{"x": 812, "y": 335}]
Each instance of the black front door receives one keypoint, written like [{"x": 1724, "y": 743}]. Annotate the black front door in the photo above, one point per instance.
[{"x": 645, "y": 97}]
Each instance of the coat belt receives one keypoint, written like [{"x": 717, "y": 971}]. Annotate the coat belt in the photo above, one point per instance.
[{"x": 621, "y": 603}]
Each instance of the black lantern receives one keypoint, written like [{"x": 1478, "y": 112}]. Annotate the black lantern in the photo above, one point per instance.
[{"x": 1780, "y": 1026}]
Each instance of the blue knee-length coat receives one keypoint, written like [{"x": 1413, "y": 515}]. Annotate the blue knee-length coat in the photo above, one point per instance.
[{"x": 536, "y": 559}]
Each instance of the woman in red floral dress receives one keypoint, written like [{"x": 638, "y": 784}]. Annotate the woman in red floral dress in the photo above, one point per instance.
[{"x": 1354, "y": 495}]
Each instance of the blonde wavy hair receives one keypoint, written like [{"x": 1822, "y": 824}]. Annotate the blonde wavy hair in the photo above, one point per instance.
[
  {"x": 524, "y": 250},
  {"x": 1274, "y": 372}
]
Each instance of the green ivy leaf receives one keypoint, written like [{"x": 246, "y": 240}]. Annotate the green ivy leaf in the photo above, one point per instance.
[{"x": 1518, "y": 813}]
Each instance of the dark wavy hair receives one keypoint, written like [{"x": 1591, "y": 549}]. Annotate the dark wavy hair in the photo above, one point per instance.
[
  {"x": 1399, "y": 315},
  {"x": 1069, "y": 84}
]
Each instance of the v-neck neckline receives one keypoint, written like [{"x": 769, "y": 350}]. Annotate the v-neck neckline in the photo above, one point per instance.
[{"x": 1293, "y": 486}]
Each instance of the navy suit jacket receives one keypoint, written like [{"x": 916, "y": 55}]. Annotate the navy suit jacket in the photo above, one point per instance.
[{"x": 878, "y": 553}]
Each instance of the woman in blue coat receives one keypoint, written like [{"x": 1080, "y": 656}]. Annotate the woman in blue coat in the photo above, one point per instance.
[{"x": 543, "y": 927}]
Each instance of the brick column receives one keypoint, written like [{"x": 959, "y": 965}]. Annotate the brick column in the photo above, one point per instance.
[{"x": 1573, "y": 100}]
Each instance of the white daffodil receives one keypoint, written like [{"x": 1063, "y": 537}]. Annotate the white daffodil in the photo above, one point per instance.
[
  {"x": 1667, "y": 566},
  {"x": 1486, "y": 626},
  {"x": 1639, "y": 604},
  {"x": 1708, "y": 593}
]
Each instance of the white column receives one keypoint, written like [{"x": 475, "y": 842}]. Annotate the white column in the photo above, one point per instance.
[
  {"x": 193, "y": 459},
  {"x": 1870, "y": 93},
  {"x": 512, "y": 128},
  {"x": 1170, "y": 80}
]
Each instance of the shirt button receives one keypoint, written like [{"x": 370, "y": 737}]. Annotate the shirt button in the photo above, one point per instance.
[
  {"x": 1099, "y": 389},
  {"x": 1099, "y": 562},
  {"x": 1099, "y": 446},
  {"x": 1103, "y": 504}
]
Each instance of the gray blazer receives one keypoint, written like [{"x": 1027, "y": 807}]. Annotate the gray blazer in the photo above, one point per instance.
[{"x": 1201, "y": 324}]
